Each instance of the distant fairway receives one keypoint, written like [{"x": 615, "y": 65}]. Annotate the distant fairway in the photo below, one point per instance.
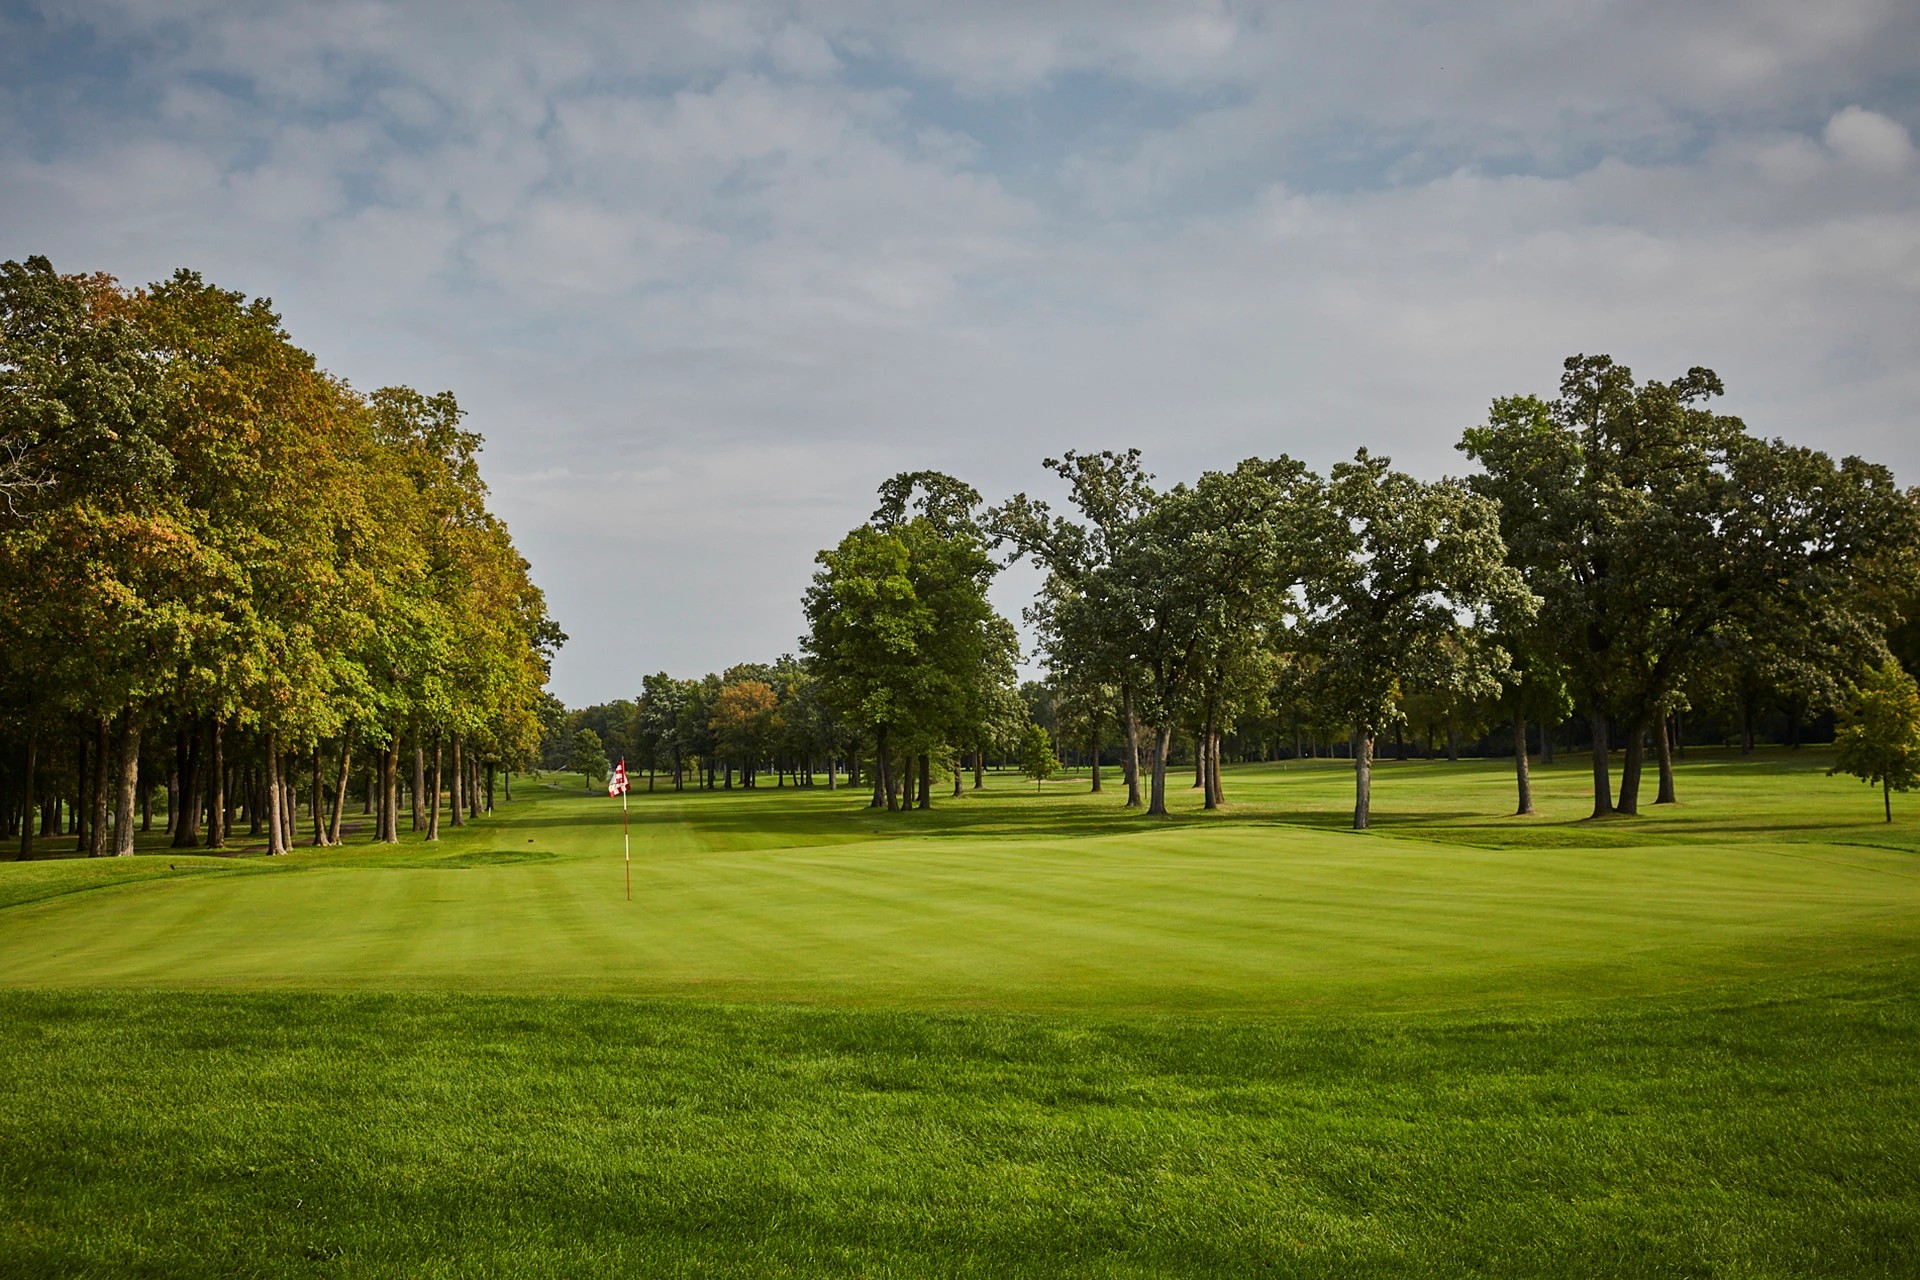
[
  {"x": 1023, "y": 1034},
  {"x": 1012, "y": 900}
]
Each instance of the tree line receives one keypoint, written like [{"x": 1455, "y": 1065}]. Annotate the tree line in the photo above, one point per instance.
[
  {"x": 710, "y": 732},
  {"x": 227, "y": 570},
  {"x": 736, "y": 727},
  {"x": 1622, "y": 557},
  {"x": 1622, "y": 552}
]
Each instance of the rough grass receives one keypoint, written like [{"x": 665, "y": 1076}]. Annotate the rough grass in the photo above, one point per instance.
[
  {"x": 1020, "y": 1035},
  {"x": 300, "y": 1134}
]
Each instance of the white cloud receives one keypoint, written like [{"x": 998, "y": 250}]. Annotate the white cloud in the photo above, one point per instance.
[{"x": 1870, "y": 140}]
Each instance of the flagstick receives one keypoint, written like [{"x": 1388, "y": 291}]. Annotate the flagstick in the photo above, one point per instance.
[{"x": 626, "y": 840}]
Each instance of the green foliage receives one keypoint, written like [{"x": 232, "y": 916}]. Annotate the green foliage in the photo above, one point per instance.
[
  {"x": 1878, "y": 737},
  {"x": 1037, "y": 760},
  {"x": 903, "y": 643},
  {"x": 202, "y": 527},
  {"x": 1662, "y": 537},
  {"x": 1405, "y": 568},
  {"x": 588, "y": 757}
]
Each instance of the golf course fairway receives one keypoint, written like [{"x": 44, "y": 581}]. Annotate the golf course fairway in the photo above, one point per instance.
[{"x": 1024, "y": 1033}]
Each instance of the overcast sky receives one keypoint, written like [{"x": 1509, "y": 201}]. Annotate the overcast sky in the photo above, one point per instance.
[{"x": 705, "y": 274}]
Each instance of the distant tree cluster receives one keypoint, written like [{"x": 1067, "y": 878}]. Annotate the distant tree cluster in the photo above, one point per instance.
[
  {"x": 714, "y": 732},
  {"x": 229, "y": 576},
  {"x": 907, "y": 674},
  {"x": 1623, "y": 550}
]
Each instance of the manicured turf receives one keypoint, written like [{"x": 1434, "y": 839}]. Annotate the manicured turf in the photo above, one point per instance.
[
  {"x": 1009, "y": 900},
  {"x": 1018, "y": 1035}
]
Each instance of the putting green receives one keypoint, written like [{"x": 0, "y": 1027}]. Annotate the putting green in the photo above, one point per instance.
[{"x": 1015, "y": 900}]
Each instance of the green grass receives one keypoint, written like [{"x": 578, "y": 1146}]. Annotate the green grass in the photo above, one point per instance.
[{"x": 1021, "y": 1034}]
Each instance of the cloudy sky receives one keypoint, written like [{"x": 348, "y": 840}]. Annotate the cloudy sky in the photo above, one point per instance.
[{"x": 705, "y": 274}]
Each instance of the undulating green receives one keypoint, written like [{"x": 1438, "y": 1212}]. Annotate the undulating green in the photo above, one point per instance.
[{"x": 1019, "y": 1034}]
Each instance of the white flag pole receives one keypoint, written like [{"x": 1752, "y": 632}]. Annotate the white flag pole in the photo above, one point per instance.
[{"x": 618, "y": 784}]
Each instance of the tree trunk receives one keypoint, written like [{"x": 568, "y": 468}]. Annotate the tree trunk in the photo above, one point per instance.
[
  {"x": 959, "y": 777},
  {"x": 1520, "y": 765},
  {"x": 1199, "y": 760},
  {"x": 390, "y": 792},
  {"x": 1157, "y": 804},
  {"x": 1131, "y": 761},
  {"x": 979, "y": 768},
  {"x": 340, "y": 787},
  {"x": 188, "y": 763},
  {"x": 456, "y": 787},
  {"x": 419, "y": 782},
  {"x": 217, "y": 779},
  {"x": 319, "y": 803},
  {"x": 1209, "y": 761},
  {"x": 276, "y": 830},
  {"x": 1094, "y": 755},
  {"x": 1363, "y": 783},
  {"x": 490, "y": 784},
  {"x": 127, "y": 781},
  {"x": 290, "y": 809},
  {"x": 1666, "y": 762},
  {"x": 1602, "y": 768},
  {"x": 1453, "y": 744},
  {"x": 26, "y": 821},
  {"x": 1629, "y": 804},
  {"x": 1217, "y": 788},
  {"x": 882, "y": 769},
  {"x": 77, "y": 811},
  {"x": 255, "y": 798},
  {"x": 97, "y": 800},
  {"x": 433, "y": 811},
  {"x": 173, "y": 788},
  {"x": 926, "y": 781},
  {"x": 1886, "y": 797}
]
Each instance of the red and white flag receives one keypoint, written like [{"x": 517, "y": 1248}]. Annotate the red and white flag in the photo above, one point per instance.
[{"x": 617, "y": 785}]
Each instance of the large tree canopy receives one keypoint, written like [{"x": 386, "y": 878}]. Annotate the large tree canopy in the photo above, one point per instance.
[
  {"x": 204, "y": 531},
  {"x": 1657, "y": 533},
  {"x": 904, "y": 644},
  {"x": 1406, "y": 577}
]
